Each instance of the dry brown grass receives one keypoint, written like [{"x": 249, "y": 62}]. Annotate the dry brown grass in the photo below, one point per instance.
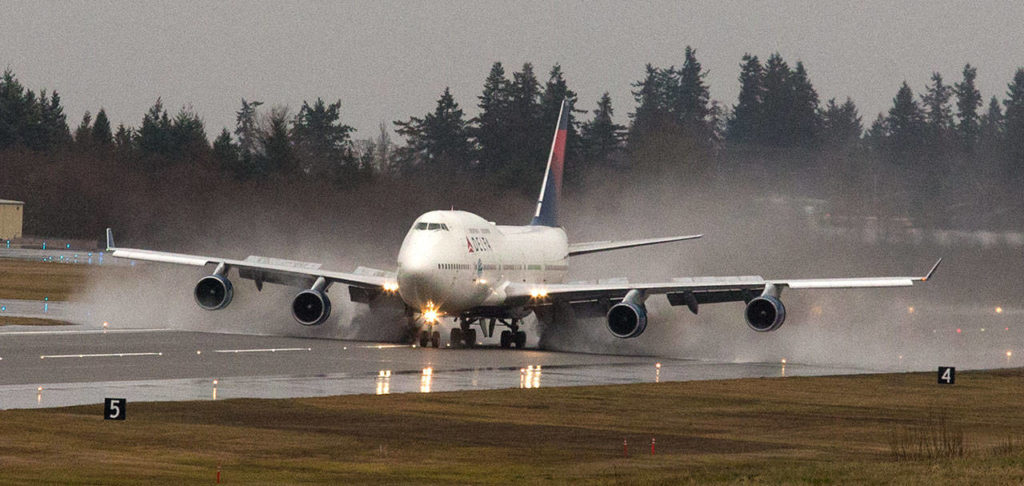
[
  {"x": 829, "y": 430},
  {"x": 30, "y": 321},
  {"x": 31, "y": 280}
]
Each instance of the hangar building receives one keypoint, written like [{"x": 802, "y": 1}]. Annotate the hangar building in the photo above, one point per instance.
[{"x": 10, "y": 219}]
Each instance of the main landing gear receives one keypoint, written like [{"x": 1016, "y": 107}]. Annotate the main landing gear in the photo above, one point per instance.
[{"x": 465, "y": 335}]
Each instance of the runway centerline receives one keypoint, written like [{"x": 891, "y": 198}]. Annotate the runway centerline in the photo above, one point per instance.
[
  {"x": 260, "y": 350},
  {"x": 99, "y": 355}
]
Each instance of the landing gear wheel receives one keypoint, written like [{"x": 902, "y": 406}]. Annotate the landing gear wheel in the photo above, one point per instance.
[
  {"x": 506, "y": 339},
  {"x": 470, "y": 338},
  {"x": 455, "y": 338},
  {"x": 424, "y": 338},
  {"x": 520, "y": 339},
  {"x": 435, "y": 339}
]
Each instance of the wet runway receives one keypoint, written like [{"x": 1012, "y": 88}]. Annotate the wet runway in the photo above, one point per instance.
[{"x": 58, "y": 367}]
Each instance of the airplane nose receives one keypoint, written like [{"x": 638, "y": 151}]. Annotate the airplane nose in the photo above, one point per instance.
[{"x": 414, "y": 281}]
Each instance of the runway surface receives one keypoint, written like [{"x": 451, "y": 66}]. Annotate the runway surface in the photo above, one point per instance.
[{"x": 58, "y": 367}]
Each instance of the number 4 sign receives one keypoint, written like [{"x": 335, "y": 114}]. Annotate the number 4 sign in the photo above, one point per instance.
[
  {"x": 115, "y": 408},
  {"x": 947, "y": 375}
]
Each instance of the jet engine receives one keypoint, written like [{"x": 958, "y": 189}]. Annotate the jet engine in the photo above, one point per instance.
[
  {"x": 214, "y": 292},
  {"x": 311, "y": 307},
  {"x": 628, "y": 318},
  {"x": 765, "y": 313}
]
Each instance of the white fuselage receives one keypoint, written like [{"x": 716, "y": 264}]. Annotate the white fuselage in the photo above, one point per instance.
[{"x": 454, "y": 261}]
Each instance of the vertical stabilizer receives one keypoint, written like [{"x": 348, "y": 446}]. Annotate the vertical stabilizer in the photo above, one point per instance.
[{"x": 547, "y": 203}]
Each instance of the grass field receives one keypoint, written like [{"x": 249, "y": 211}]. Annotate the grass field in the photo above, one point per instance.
[
  {"x": 31, "y": 280},
  {"x": 30, "y": 321},
  {"x": 827, "y": 430}
]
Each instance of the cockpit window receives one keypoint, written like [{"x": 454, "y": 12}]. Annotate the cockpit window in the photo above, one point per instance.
[{"x": 431, "y": 226}]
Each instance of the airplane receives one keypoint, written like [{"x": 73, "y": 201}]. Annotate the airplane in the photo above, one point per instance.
[{"x": 456, "y": 264}]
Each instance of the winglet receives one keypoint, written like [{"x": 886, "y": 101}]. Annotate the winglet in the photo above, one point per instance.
[
  {"x": 110, "y": 240},
  {"x": 932, "y": 271}
]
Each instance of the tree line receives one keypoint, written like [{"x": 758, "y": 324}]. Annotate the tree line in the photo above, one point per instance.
[{"x": 942, "y": 144}]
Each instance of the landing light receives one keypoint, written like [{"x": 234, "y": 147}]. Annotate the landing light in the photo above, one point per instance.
[
  {"x": 390, "y": 287},
  {"x": 538, "y": 293},
  {"x": 431, "y": 314}
]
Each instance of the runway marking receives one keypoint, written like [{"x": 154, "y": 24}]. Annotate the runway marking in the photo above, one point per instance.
[
  {"x": 83, "y": 331},
  {"x": 99, "y": 355},
  {"x": 261, "y": 350},
  {"x": 383, "y": 346}
]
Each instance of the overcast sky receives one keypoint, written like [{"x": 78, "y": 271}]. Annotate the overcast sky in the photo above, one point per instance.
[{"x": 387, "y": 61}]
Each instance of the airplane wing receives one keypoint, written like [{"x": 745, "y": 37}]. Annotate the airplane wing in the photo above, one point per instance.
[
  {"x": 692, "y": 291},
  {"x": 264, "y": 269},
  {"x": 596, "y": 246}
]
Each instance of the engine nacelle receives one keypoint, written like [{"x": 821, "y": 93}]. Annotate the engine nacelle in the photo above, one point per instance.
[
  {"x": 765, "y": 313},
  {"x": 628, "y": 318},
  {"x": 214, "y": 292},
  {"x": 311, "y": 307}
]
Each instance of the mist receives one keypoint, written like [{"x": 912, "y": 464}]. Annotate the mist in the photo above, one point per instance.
[{"x": 748, "y": 231}]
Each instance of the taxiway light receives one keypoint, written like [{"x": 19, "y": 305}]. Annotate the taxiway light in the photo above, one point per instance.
[
  {"x": 783, "y": 361},
  {"x": 910, "y": 310},
  {"x": 39, "y": 389},
  {"x": 106, "y": 324},
  {"x": 657, "y": 365},
  {"x": 999, "y": 310},
  {"x": 3, "y": 308},
  {"x": 1009, "y": 353},
  {"x": 958, "y": 331},
  {"x": 215, "y": 382}
]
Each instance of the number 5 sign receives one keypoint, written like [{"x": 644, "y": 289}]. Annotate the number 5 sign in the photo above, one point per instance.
[{"x": 115, "y": 408}]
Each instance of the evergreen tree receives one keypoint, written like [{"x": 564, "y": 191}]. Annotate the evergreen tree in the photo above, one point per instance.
[
  {"x": 278, "y": 155},
  {"x": 1014, "y": 120},
  {"x": 690, "y": 97},
  {"x": 651, "y": 113},
  {"x": 601, "y": 137},
  {"x": 992, "y": 124},
  {"x": 225, "y": 152},
  {"x": 101, "y": 135},
  {"x": 744, "y": 126},
  {"x": 555, "y": 91},
  {"x": 55, "y": 124},
  {"x": 187, "y": 135},
  {"x": 938, "y": 114},
  {"x": 13, "y": 110},
  {"x": 529, "y": 145},
  {"x": 439, "y": 140},
  {"x": 154, "y": 136},
  {"x": 840, "y": 124},
  {"x": 247, "y": 132},
  {"x": 493, "y": 123},
  {"x": 968, "y": 100},
  {"x": 778, "y": 102},
  {"x": 323, "y": 144},
  {"x": 83, "y": 134},
  {"x": 803, "y": 122},
  {"x": 123, "y": 140},
  {"x": 906, "y": 125},
  {"x": 877, "y": 136}
]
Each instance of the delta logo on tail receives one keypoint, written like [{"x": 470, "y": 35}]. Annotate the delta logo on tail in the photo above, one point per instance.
[{"x": 547, "y": 204}]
